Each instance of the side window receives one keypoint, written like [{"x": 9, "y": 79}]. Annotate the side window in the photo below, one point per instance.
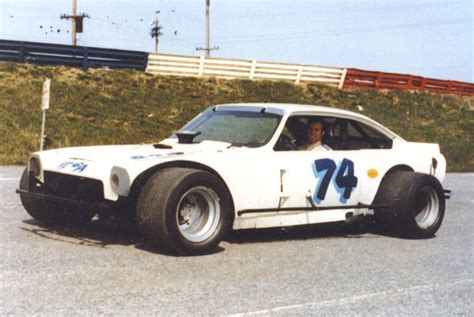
[
  {"x": 362, "y": 136},
  {"x": 335, "y": 133},
  {"x": 346, "y": 134},
  {"x": 295, "y": 133},
  {"x": 339, "y": 134},
  {"x": 357, "y": 137}
]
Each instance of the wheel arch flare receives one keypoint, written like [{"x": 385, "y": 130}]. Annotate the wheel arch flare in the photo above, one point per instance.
[{"x": 140, "y": 181}]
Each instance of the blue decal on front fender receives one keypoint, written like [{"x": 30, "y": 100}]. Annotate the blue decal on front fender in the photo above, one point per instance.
[{"x": 74, "y": 166}]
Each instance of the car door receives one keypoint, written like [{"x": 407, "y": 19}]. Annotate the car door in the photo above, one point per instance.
[
  {"x": 318, "y": 178},
  {"x": 321, "y": 178}
]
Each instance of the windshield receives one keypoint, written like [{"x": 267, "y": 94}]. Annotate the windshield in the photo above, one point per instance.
[{"x": 240, "y": 128}]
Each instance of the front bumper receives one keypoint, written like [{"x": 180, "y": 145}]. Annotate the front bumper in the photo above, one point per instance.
[
  {"x": 66, "y": 189},
  {"x": 63, "y": 200}
]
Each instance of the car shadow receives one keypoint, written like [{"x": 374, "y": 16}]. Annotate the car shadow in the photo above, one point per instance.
[
  {"x": 97, "y": 233},
  {"x": 102, "y": 233},
  {"x": 304, "y": 232}
]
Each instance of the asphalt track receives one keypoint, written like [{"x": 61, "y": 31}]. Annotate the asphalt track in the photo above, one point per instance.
[{"x": 104, "y": 269}]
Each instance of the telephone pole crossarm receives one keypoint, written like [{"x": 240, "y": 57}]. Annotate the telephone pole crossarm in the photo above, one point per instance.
[
  {"x": 78, "y": 19},
  {"x": 207, "y": 49},
  {"x": 77, "y": 22}
]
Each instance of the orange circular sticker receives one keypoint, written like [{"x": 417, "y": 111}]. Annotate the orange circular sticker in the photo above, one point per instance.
[{"x": 372, "y": 173}]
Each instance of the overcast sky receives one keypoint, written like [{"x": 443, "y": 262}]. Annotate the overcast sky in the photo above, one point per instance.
[{"x": 428, "y": 38}]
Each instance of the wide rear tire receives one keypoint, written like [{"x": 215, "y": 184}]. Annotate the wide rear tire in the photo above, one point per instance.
[
  {"x": 185, "y": 211},
  {"x": 415, "y": 204}
]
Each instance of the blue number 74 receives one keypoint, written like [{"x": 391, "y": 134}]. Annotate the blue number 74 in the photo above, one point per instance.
[{"x": 345, "y": 178}]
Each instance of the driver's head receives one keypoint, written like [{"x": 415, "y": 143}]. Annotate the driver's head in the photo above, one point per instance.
[{"x": 315, "y": 131}]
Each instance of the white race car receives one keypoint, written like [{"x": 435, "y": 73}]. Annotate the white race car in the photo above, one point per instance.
[{"x": 239, "y": 166}]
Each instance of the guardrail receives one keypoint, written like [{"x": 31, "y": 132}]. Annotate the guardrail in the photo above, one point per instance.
[
  {"x": 75, "y": 56},
  {"x": 200, "y": 66},
  {"x": 357, "y": 78}
]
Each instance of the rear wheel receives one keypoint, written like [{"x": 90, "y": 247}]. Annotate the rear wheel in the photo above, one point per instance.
[
  {"x": 52, "y": 213},
  {"x": 415, "y": 204},
  {"x": 185, "y": 211}
]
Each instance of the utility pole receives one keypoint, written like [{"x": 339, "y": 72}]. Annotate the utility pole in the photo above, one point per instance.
[
  {"x": 208, "y": 48},
  {"x": 156, "y": 32},
  {"x": 77, "y": 22}
]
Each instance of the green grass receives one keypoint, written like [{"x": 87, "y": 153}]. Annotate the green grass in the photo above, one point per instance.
[{"x": 123, "y": 107}]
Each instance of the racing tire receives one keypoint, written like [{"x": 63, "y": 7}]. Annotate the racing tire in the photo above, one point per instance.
[
  {"x": 414, "y": 204},
  {"x": 52, "y": 213},
  {"x": 185, "y": 211}
]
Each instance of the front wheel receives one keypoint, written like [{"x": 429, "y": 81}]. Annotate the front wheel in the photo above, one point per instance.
[
  {"x": 185, "y": 211},
  {"x": 415, "y": 204}
]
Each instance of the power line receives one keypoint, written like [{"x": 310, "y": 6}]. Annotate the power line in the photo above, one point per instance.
[
  {"x": 280, "y": 36},
  {"x": 338, "y": 11},
  {"x": 298, "y": 35},
  {"x": 287, "y": 14},
  {"x": 443, "y": 67}
]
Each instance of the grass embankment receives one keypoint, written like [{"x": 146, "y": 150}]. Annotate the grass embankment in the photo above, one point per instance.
[{"x": 123, "y": 106}]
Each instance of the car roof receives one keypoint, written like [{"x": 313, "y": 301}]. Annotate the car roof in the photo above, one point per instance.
[{"x": 288, "y": 109}]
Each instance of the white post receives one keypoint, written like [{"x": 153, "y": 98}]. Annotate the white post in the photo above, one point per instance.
[
  {"x": 252, "y": 69},
  {"x": 201, "y": 66},
  {"x": 298, "y": 75},
  {"x": 44, "y": 107},
  {"x": 43, "y": 124},
  {"x": 343, "y": 78}
]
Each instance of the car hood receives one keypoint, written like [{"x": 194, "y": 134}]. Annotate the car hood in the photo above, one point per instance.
[
  {"x": 100, "y": 162},
  {"x": 116, "y": 154}
]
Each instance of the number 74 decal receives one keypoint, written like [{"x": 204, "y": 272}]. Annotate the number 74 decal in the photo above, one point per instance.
[{"x": 344, "y": 179}]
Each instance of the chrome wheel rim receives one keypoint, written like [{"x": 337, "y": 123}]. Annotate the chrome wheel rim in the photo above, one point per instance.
[
  {"x": 198, "y": 213},
  {"x": 426, "y": 207}
]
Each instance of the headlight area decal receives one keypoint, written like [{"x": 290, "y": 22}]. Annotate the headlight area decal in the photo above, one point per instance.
[
  {"x": 77, "y": 167},
  {"x": 344, "y": 181}
]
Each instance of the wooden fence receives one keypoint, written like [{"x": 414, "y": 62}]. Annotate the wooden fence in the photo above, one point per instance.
[
  {"x": 357, "y": 78},
  {"x": 200, "y": 66}
]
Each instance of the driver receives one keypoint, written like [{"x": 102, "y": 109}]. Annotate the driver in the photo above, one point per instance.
[{"x": 314, "y": 134}]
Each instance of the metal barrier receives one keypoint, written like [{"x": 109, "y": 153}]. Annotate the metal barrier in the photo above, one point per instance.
[
  {"x": 357, "y": 78},
  {"x": 75, "y": 56}
]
